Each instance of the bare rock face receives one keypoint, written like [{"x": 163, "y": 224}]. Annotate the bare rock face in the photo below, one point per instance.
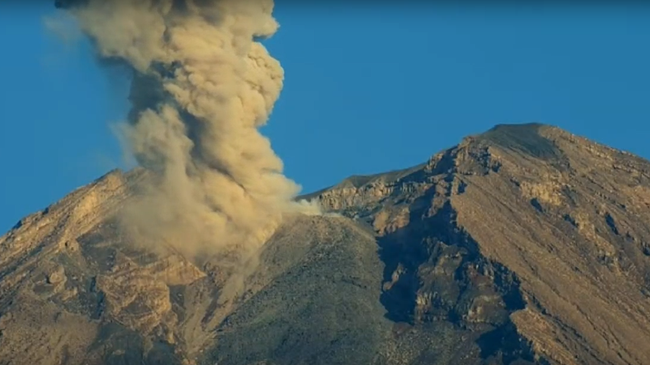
[
  {"x": 527, "y": 229},
  {"x": 522, "y": 245}
]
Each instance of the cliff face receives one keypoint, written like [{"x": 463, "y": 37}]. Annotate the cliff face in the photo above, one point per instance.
[{"x": 522, "y": 245}]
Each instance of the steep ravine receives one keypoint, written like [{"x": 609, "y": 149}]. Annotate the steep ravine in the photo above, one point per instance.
[{"x": 435, "y": 278}]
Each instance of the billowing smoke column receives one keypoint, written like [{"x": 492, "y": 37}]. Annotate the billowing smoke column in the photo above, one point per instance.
[{"x": 202, "y": 86}]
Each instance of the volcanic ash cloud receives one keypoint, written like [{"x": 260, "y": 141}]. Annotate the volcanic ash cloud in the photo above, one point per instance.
[{"x": 202, "y": 86}]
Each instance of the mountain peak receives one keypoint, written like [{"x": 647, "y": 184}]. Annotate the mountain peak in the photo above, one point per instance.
[
  {"x": 519, "y": 127},
  {"x": 530, "y": 138}
]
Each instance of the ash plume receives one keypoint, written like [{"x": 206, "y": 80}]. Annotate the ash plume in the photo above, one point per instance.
[{"x": 202, "y": 85}]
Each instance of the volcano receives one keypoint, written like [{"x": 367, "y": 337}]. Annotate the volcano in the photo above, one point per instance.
[{"x": 525, "y": 244}]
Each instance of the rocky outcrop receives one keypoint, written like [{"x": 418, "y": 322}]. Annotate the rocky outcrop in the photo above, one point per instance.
[
  {"x": 545, "y": 231},
  {"x": 522, "y": 245}
]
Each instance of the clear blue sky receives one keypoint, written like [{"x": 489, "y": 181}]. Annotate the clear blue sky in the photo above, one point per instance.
[{"x": 367, "y": 90}]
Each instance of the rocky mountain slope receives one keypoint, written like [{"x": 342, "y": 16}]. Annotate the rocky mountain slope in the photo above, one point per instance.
[{"x": 522, "y": 245}]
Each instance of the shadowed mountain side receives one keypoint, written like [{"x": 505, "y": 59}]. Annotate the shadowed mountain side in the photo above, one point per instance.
[{"x": 321, "y": 308}]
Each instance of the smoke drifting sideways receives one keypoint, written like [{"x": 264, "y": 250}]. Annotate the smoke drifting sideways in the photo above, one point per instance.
[{"x": 202, "y": 86}]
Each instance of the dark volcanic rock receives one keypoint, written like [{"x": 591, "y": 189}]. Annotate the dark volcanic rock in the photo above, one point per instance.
[{"x": 522, "y": 245}]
